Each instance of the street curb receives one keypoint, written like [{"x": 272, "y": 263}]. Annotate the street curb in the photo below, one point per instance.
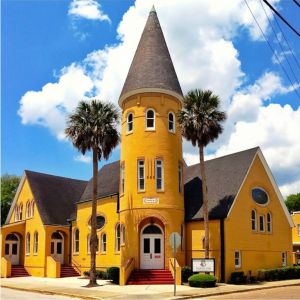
[
  {"x": 51, "y": 293},
  {"x": 235, "y": 292}
]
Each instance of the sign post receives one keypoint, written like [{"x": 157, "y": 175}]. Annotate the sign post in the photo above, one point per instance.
[{"x": 175, "y": 242}]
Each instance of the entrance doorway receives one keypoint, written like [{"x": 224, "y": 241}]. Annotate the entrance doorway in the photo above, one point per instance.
[
  {"x": 12, "y": 248},
  {"x": 152, "y": 247},
  {"x": 57, "y": 246}
]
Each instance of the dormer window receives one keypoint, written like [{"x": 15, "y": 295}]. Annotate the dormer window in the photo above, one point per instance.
[
  {"x": 150, "y": 119},
  {"x": 129, "y": 122},
  {"x": 171, "y": 122}
]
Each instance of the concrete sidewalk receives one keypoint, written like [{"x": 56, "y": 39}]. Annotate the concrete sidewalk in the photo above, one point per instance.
[{"x": 75, "y": 287}]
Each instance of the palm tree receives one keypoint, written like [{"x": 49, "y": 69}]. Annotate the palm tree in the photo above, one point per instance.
[
  {"x": 200, "y": 121},
  {"x": 93, "y": 127}
]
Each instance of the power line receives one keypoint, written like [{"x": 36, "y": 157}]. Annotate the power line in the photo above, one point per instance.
[
  {"x": 297, "y": 2},
  {"x": 281, "y": 17},
  {"x": 288, "y": 44},
  {"x": 296, "y": 79},
  {"x": 287, "y": 75}
]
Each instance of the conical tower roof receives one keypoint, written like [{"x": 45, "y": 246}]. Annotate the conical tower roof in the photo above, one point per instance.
[{"x": 152, "y": 67}]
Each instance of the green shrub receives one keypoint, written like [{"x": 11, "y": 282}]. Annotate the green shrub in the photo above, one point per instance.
[
  {"x": 114, "y": 274},
  {"x": 186, "y": 272},
  {"x": 202, "y": 280},
  {"x": 99, "y": 274},
  {"x": 280, "y": 273},
  {"x": 238, "y": 278}
]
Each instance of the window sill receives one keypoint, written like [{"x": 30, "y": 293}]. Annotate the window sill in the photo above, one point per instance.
[
  {"x": 160, "y": 191},
  {"x": 117, "y": 253},
  {"x": 141, "y": 192},
  {"x": 76, "y": 254},
  {"x": 173, "y": 132},
  {"x": 27, "y": 254},
  {"x": 35, "y": 254},
  {"x": 150, "y": 129},
  {"x": 103, "y": 253},
  {"x": 129, "y": 133}
]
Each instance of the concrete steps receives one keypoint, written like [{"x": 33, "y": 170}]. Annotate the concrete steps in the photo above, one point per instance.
[
  {"x": 18, "y": 271},
  {"x": 151, "y": 277},
  {"x": 68, "y": 271}
]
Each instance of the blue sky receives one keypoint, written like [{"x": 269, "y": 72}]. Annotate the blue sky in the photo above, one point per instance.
[{"x": 64, "y": 51}]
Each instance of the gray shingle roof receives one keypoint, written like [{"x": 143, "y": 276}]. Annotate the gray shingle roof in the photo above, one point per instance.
[
  {"x": 55, "y": 196},
  {"x": 108, "y": 182},
  {"x": 224, "y": 178},
  {"x": 152, "y": 65}
]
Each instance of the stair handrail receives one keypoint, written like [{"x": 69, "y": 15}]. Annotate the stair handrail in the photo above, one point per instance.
[
  {"x": 172, "y": 269},
  {"x": 129, "y": 262},
  {"x": 76, "y": 266},
  {"x": 126, "y": 270}
]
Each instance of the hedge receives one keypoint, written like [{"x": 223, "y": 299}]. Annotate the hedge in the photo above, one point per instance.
[
  {"x": 186, "y": 272},
  {"x": 114, "y": 274},
  {"x": 99, "y": 274},
  {"x": 202, "y": 280},
  {"x": 238, "y": 278},
  {"x": 279, "y": 273}
]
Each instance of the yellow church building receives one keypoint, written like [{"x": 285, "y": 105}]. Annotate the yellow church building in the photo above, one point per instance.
[{"x": 149, "y": 194}]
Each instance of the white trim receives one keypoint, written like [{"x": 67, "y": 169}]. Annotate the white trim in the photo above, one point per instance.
[
  {"x": 162, "y": 175},
  {"x": 174, "y": 122},
  {"x": 255, "y": 219},
  {"x": 127, "y": 123},
  {"x": 150, "y": 90},
  {"x": 264, "y": 223},
  {"x": 154, "y": 119},
  {"x": 274, "y": 185},
  {"x": 260, "y": 188},
  {"x": 271, "y": 222},
  {"x": 15, "y": 198},
  {"x": 296, "y": 243},
  {"x": 138, "y": 176},
  {"x": 35, "y": 243},
  {"x": 239, "y": 259},
  {"x": 283, "y": 259}
]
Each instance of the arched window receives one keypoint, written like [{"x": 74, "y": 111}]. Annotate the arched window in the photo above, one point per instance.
[
  {"x": 253, "y": 220},
  {"x": 129, "y": 122},
  {"x": 122, "y": 178},
  {"x": 171, "y": 122},
  {"x": 100, "y": 221},
  {"x": 118, "y": 237},
  {"x": 89, "y": 244},
  {"x": 32, "y": 208},
  {"x": 35, "y": 243},
  {"x": 27, "y": 246},
  {"x": 150, "y": 119},
  {"x": 27, "y": 211},
  {"x": 76, "y": 241},
  {"x": 123, "y": 234},
  {"x": 16, "y": 213},
  {"x": 103, "y": 242},
  {"x": 20, "y": 212},
  {"x": 269, "y": 222}
]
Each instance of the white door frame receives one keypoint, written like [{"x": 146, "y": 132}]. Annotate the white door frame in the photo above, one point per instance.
[
  {"x": 152, "y": 237},
  {"x": 13, "y": 258},
  {"x": 58, "y": 257}
]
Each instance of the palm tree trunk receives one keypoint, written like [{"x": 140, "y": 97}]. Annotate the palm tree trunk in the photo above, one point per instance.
[
  {"x": 205, "y": 201},
  {"x": 93, "y": 241}
]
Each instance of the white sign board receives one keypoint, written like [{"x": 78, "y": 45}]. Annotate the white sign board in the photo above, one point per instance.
[
  {"x": 203, "y": 265},
  {"x": 151, "y": 200},
  {"x": 175, "y": 240}
]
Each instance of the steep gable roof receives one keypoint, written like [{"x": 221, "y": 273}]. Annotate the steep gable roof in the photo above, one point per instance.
[
  {"x": 152, "y": 66},
  {"x": 55, "y": 196},
  {"x": 108, "y": 182},
  {"x": 224, "y": 178}
]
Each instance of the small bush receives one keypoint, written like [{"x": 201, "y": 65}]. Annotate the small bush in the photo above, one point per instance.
[
  {"x": 202, "y": 280},
  {"x": 186, "y": 272},
  {"x": 99, "y": 274},
  {"x": 280, "y": 273},
  {"x": 238, "y": 278},
  {"x": 114, "y": 274}
]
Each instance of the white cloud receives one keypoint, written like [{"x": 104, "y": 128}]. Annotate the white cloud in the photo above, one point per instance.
[
  {"x": 87, "y": 9},
  {"x": 83, "y": 158}
]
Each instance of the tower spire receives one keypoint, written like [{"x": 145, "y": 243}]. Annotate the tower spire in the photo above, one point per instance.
[{"x": 152, "y": 66}]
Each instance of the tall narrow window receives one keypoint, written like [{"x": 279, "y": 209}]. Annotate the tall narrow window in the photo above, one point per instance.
[
  {"x": 103, "y": 242},
  {"x": 269, "y": 223},
  {"x": 122, "y": 178},
  {"x": 35, "y": 243},
  {"x": 32, "y": 208},
  {"x": 262, "y": 223},
  {"x": 237, "y": 259},
  {"x": 20, "y": 211},
  {"x": 253, "y": 220},
  {"x": 159, "y": 174},
  {"x": 141, "y": 175},
  {"x": 171, "y": 122},
  {"x": 16, "y": 213},
  {"x": 283, "y": 259},
  {"x": 27, "y": 211},
  {"x": 76, "y": 241},
  {"x": 150, "y": 119},
  {"x": 180, "y": 177},
  {"x": 118, "y": 238},
  {"x": 123, "y": 234},
  {"x": 129, "y": 122},
  {"x": 27, "y": 246},
  {"x": 298, "y": 229}
]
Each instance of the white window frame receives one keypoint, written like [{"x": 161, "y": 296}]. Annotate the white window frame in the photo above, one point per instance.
[
  {"x": 16, "y": 213},
  {"x": 75, "y": 240},
  {"x": 27, "y": 244},
  {"x": 180, "y": 177},
  {"x": 20, "y": 212},
  {"x": 118, "y": 237},
  {"x": 103, "y": 242},
  {"x": 264, "y": 225},
  {"x": 254, "y": 220},
  {"x": 123, "y": 234},
  {"x": 237, "y": 259},
  {"x": 159, "y": 163},
  {"x": 283, "y": 259},
  {"x": 128, "y": 123},
  {"x": 27, "y": 211},
  {"x": 150, "y": 128},
  {"x": 35, "y": 243},
  {"x": 138, "y": 175},
  {"x": 269, "y": 223},
  {"x": 298, "y": 229},
  {"x": 31, "y": 208},
  {"x": 173, "y": 122},
  {"x": 122, "y": 178}
]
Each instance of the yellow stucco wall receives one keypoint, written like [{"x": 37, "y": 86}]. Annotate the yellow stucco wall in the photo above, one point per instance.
[
  {"x": 149, "y": 145},
  {"x": 108, "y": 208},
  {"x": 259, "y": 250},
  {"x": 296, "y": 237}
]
